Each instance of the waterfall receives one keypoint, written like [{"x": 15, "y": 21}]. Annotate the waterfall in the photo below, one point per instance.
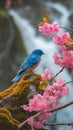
[{"x": 64, "y": 13}]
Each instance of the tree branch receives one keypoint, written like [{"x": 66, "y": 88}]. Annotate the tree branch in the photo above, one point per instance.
[
  {"x": 58, "y": 72},
  {"x": 69, "y": 29},
  {"x": 52, "y": 124},
  {"x": 56, "y": 109}
]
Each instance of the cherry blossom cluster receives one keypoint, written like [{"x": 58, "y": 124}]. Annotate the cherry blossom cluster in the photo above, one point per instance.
[
  {"x": 65, "y": 59},
  {"x": 47, "y": 28},
  {"x": 47, "y": 101},
  {"x": 39, "y": 121},
  {"x": 60, "y": 39},
  {"x": 47, "y": 75}
]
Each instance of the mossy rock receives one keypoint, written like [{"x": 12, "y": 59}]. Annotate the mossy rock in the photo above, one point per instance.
[
  {"x": 11, "y": 114},
  {"x": 17, "y": 93}
]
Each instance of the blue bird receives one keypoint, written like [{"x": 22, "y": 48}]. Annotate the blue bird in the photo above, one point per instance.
[{"x": 30, "y": 63}]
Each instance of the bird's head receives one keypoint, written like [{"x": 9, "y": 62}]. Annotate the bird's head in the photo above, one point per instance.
[{"x": 38, "y": 52}]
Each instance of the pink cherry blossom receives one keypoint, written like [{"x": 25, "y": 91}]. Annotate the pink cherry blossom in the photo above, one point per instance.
[
  {"x": 47, "y": 75},
  {"x": 44, "y": 77},
  {"x": 39, "y": 121},
  {"x": 55, "y": 27},
  {"x": 47, "y": 101},
  {"x": 66, "y": 59},
  {"x": 51, "y": 95},
  {"x": 47, "y": 72},
  {"x": 48, "y": 28},
  {"x": 60, "y": 39},
  {"x": 57, "y": 90}
]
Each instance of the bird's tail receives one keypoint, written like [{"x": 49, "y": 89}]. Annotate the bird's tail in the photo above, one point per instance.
[{"x": 18, "y": 76}]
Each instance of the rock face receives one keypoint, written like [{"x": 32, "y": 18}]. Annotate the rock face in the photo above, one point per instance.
[
  {"x": 11, "y": 49},
  {"x": 11, "y": 114}
]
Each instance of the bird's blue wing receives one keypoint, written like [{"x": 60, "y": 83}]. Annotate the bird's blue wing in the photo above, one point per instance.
[
  {"x": 33, "y": 59},
  {"x": 30, "y": 60}
]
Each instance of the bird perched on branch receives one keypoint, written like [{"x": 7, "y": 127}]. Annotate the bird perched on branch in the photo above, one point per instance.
[{"x": 30, "y": 63}]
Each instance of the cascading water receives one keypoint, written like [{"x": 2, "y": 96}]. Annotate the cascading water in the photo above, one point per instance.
[
  {"x": 64, "y": 13},
  {"x": 32, "y": 42}
]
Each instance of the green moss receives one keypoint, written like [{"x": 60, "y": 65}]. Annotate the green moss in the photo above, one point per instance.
[
  {"x": 7, "y": 122},
  {"x": 15, "y": 96},
  {"x": 18, "y": 113},
  {"x": 4, "y": 110},
  {"x": 18, "y": 91}
]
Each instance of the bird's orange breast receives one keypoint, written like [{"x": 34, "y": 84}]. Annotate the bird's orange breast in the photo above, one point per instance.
[{"x": 33, "y": 67}]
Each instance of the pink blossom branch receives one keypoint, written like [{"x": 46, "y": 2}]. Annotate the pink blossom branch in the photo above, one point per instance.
[
  {"x": 62, "y": 107},
  {"x": 52, "y": 124},
  {"x": 34, "y": 116},
  {"x": 24, "y": 122},
  {"x": 56, "y": 109}
]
